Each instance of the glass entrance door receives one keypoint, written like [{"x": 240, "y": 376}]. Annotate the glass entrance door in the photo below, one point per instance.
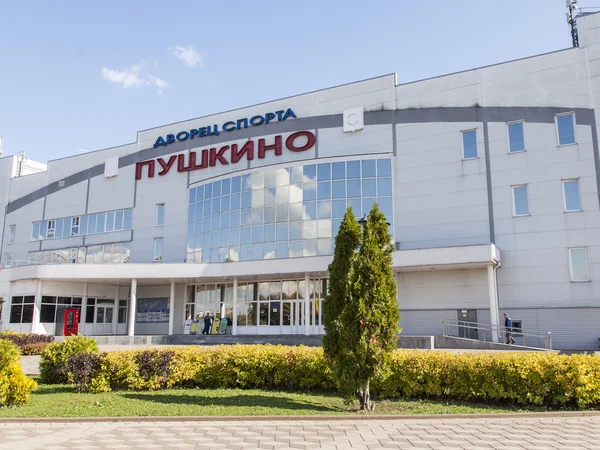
[{"x": 103, "y": 318}]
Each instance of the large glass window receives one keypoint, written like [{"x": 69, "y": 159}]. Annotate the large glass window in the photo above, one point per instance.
[
  {"x": 81, "y": 225},
  {"x": 285, "y": 212},
  {"x": 21, "y": 309},
  {"x": 12, "y": 231}
]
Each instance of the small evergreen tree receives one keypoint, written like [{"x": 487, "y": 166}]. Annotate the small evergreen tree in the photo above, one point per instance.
[
  {"x": 346, "y": 243},
  {"x": 368, "y": 321}
]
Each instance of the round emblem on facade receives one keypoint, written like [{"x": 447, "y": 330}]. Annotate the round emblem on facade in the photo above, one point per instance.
[{"x": 352, "y": 119}]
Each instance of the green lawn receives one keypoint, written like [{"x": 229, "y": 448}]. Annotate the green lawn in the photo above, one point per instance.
[{"x": 63, "y": 401}]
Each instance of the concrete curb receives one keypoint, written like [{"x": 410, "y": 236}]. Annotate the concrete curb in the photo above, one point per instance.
[{"x": 357, "y": 417}]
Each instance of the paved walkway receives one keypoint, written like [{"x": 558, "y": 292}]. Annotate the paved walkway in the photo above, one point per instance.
[{"x": 491, "y": 433}]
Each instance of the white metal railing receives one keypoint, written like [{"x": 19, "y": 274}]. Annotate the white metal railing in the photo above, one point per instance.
[{"x": 486, "y": 332}]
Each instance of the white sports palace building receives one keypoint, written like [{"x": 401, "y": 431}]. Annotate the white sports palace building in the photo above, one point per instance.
[{"x": 489, "y": 179}]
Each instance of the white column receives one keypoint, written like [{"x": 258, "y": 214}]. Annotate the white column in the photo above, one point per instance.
[
  {"x": 306, "y": 303},
  {"x": 132, "y": 308},
  {"x": 115, "y": 311},
  {"x": 493, "y": 298},
  {"x": 35, "y": 323},
  {"x": 171, "y": 308},
  {"x": 83, "y": 314},
  {"x": 235, "y": 301}
]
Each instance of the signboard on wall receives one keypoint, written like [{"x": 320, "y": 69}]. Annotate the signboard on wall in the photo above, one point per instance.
[{"x": 152, "y": 310}]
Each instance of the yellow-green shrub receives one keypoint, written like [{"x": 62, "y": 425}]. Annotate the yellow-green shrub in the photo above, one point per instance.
[
  {"x": 54, "y": 361},
  {"x": 521, "y": 378},
  {"x": 15, "y": 387}
]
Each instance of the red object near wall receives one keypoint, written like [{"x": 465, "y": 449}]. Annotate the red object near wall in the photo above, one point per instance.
[{"x": 71, "y": 323}]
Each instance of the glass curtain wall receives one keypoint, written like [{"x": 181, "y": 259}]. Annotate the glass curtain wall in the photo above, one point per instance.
[{"x": 283, "y": 213}]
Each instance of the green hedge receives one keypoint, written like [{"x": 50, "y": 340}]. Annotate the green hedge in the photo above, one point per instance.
[
  {"x": 55, "y": 358},
  {"x": 15, "y": 387},
  {"x": 28, "y": 343},
  {"x": 518, "y": 378}
]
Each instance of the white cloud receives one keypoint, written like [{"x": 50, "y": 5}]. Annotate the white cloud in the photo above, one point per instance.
[
  {"x": 188, "y": 55},
  {"x": 135, "y": 76}
]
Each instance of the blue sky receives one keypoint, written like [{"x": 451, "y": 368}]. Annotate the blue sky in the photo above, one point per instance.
[{"x": 88, "y": 75}]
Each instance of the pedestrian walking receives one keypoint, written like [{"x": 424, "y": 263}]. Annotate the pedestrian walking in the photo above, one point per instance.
[
  {"x": 508, "y": 330},
  {"x": 207, "y": 323}
]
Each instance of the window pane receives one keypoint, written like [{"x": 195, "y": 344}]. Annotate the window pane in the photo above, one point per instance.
[
  {"x": 100, "y": 223},
  {"x": 283, "y": 177},
  {"x": 269, "y": 250},
  {"x": 353, "y": 169},
  {"x": 27, "y": 314},
  {"x": 368, "y": 168},
  {"x": 296, "y": 211},
  {"x": 119, "y": 219},
  {"x": 246, "y": 235},
  {"x": 192, "y": 195},
  {"x": 338, "y": 208},
  {"x": 127, "y": 219},
  {"x": 324, "y": 209},
  {"x": 369, "y": 187},
  {"x": 281, "y": 213},
  {"x": 226, "y": 186},
  {"x": 15, "y": 313},
  {"x": 47, "y": 313},
  {"x": 339, "y": 189},
  {"x": 235, "y": 184},
  {"x": 110, "y": 221},
  {"x": 158, "y": 249},
  {"x": 295, "y": 249},
  {"x": 257, "y": 252},
  {"x": 521, "y": 201},
  {"x": 234, "y": 219},
  {"x": 469, "y": 144},
  {"x": 384, "y": 187},
  {"x": 59, "y": 228},
  {"x": 579, "y": 265},
  {"x": 282, "y": 232},
  {"x": 295, "y": 230},
  {"x": 309, "y": 247},
  {"x": 516, "y": 140},
  {"x": 384, "y": 167},
  {"x": 224, "y": 221},
  {"x": 246, "y": 199},
  {"x": 35, "y": 233},
  {"x": 325, "y": 247},
  {"x": 310, "y": 173},
  {"x": 566, "y": 129},
  {"x": 338, "y": 171},
  {"x": 235, "y": 202},
  {"x": 234, "y": 236},
  {"x": 572, "y": 199},
  {"x": 282, "y": 250},
  {"x": 309, "y": 229},
  {"x": 160, "y": 215},
  {"x": 310, "y": 210},
  {"x": 283, "y": 194},
  {"x": 353, "y": 188},
  {"x": 310, "y": 191},
  {"x": 323, "y": 172},
  {"x": 269, "y": 214},
  {"x": 269, "y": 233},
  {"x": 257, "y": 234}
]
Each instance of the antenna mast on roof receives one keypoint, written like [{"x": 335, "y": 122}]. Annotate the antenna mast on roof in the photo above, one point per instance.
[{"x": 572, "y": 7}]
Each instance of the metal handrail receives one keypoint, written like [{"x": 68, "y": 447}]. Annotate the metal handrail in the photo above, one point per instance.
[{"x": 453, "y": 328}]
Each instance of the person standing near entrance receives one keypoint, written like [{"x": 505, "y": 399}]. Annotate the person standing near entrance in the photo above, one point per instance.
[
  {"x": 508, "y": 329},
  {"x": 207, "y": 323}
]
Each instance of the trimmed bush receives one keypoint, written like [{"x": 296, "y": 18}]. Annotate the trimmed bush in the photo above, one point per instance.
[
  {"x": 515, "y": 378},
  {"x": 21, "y": 339},
  {"x": 54, "y": 363},
  {"x": 34, "y": 349},
  {"x": 15, "y": 387},
  {"x": 81, "y": 367}
]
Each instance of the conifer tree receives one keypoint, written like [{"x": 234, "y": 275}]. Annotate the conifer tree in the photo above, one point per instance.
[
  {"x": 347, "y": 241},
  {"x": 368, "y": 321}
]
